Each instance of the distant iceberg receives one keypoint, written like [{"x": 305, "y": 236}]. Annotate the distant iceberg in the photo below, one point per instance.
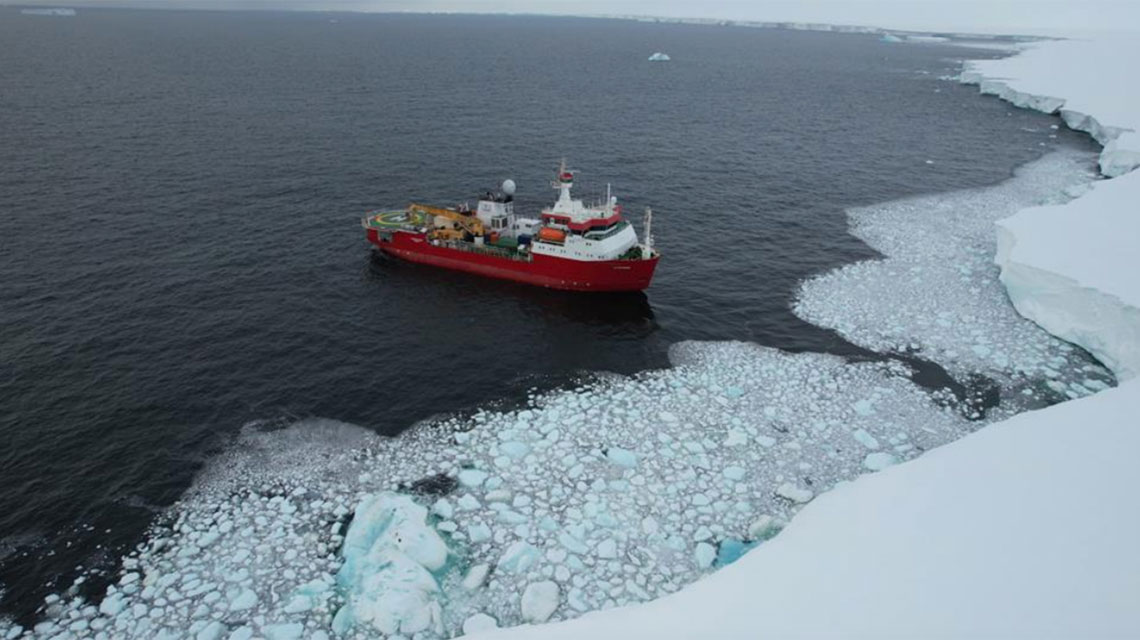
[
  {"x": 48, "y": 12},
  {"x": 659, "y": 57},
  {"x": 887, "y": 37}
]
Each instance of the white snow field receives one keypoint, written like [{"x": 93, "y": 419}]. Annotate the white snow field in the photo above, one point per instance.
[
  {"x": 1025, "y": 529},
  {"x": 936, "y": 292}
]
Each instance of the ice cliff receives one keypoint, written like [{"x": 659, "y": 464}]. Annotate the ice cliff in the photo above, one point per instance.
[{"x": 1071, "y": 268}]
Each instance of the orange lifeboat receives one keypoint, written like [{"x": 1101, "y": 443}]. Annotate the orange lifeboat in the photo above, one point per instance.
[{"x": 550, "y": 234}]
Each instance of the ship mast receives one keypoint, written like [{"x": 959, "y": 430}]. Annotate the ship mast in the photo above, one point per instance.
[
  {"x": 564, "y": 182},
  {"x": 647, "y": 248}
]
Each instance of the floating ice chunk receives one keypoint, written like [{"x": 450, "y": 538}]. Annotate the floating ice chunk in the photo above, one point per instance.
[
  {"x": 478, "y": 532},
  {"x": 241, "y": 633},
  {"x": 572, "y": 544},
  {"x": 765, "y": 441},
  {"x": 864, "y": 407},
  {"x": 468, "y": 502},
  {"x": 443, "y": 509},
  {"x": 879, "y": 460},
  {"x": 389, "y": 520},
  {"x": 472, "y": 477},
  {"x": 794, "y": 493},
  {"x": 515, "y": 450},
  {"x": 284, "y": 631},
  {"x": 476, "y": 576},
  {"x": 705, "y": 555},
  {"x": 735, "y": 438},
  {"x": 245, "y": 599},
  {"x": 518, "y": 557},
  {"x": 212, "y": 631},
  {"x": 539, "y": 601},
  {"x": 734, "y": 473},
  {"x": 607, "y": 548},
  {"x": 659, "y": 57},
  {"x": 390, "y": 592},
  {"x": 622, "y": 457},
  {"x": 649, "y": 525},
  {"x": 479, "y": 622},
  {"x": 386, "y": 580},
  {"x": 112, "y": 604},
  {"x": 865, "y": 439}
]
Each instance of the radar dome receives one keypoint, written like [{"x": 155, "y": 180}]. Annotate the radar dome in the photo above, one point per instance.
[{"x": 509, "y": 187}]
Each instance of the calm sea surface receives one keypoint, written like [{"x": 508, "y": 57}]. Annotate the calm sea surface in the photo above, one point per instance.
[{"x": 180, "y": 251}]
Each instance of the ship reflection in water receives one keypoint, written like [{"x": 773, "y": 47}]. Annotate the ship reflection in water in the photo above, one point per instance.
[{"x": 625, "y": 314}]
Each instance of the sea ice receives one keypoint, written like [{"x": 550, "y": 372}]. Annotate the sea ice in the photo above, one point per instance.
[
  {"x": 936, "y": 293},
  {"x": 539, "y": 601},
  {"x": 333, "y": 545}
]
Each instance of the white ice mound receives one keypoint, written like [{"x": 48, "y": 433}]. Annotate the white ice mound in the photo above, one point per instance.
[
  {"x": 659, "y": 57},
  {"x": 390, "y": 554},
  {"x": 1073, "y": 270}
]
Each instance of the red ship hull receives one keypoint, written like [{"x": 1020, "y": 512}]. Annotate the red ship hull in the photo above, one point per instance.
[{"x": 540, "y": 270}]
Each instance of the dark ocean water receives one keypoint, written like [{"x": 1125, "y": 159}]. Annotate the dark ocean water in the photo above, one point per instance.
[{"x": 180, "y": 249}]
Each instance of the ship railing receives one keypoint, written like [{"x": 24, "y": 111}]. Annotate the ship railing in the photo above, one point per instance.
[{"x": 486, "y": 250}]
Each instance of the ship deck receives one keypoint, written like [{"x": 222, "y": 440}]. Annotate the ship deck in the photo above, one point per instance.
[{"x": 394, "y": 220}]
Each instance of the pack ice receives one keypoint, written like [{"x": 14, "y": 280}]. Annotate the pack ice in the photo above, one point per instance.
[{"x": 618, "y": 491}]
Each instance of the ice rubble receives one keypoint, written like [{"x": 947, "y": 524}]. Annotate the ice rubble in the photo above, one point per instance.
[
  {"x": 1024, "y": 529},
  {"x": 612, "y": 493},
  {"x": 936, "y": 292}
]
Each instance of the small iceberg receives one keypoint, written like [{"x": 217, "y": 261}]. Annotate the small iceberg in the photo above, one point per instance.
[
  {"x": 48, "y": 12},
  {"x": 659, "y": 57},
  {"x": 887, "y": 37}
]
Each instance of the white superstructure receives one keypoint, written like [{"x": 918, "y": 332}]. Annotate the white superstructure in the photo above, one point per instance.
[{"x": 567, "y": 229}]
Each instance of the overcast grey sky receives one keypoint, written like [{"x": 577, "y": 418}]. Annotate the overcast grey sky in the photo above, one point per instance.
[{"x": 978, "y": 15}]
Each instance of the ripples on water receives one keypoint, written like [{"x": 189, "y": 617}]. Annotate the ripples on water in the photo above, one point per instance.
[{"x": 182, "y": 255}]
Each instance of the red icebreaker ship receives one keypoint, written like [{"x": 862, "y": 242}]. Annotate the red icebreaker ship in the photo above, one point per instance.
[{"x": 570, "y": 246}]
